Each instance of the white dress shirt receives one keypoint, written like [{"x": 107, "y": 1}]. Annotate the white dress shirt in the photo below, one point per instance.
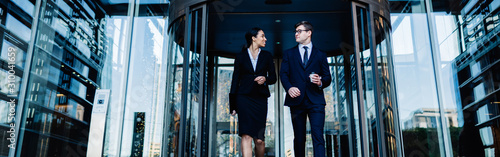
[
  {"x": 254, "y": 61},
  {"x": 301, "y": 50}
]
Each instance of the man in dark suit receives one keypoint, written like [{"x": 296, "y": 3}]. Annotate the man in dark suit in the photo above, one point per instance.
[{"x": 304, "y": 74}]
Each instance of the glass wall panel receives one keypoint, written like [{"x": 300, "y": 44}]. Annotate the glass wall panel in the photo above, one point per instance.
[
  {"x": 113, "y": 78},
  {"x": 56, "y": 112},
  {"x": 6, "y": 119},
  {"x": 271, "y": 122},
  {"x": 472, "y": 110},
  {"x": 228, "y": 140},
  {"x": 414, "y": 80},
  {"x": 25, "y": 5},
  {"x": 13, "y": 49},
  {"x": 19, "y": 54},
  {"x": 7, "y": 80},
  {"x": 144, "y": 103},
  {"x": 288, "y": 130},
  {"x": 343, "y": 106},
  {"x": 336, "y": 121},
  {"x": 331, "y": 129},
  {"x": 22, "y": 31},
  {"x": 455, "y": 36}
]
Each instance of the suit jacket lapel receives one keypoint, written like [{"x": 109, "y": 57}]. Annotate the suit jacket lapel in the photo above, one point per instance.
[
  {"x": 247, "y": 60},
  {"x": 298, "y": 58},
  {"x": 313, "y": 53},
  {"x": 259, "y": 62}
]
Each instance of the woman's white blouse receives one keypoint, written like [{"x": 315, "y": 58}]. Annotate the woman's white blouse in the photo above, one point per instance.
[{"x": 254, "y": 61}]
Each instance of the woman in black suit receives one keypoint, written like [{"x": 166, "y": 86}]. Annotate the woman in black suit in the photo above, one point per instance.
[{"x": 253, "y": 72}]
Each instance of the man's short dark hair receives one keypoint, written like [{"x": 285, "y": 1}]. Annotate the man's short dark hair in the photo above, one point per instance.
[{"x": 306, "y": 24}]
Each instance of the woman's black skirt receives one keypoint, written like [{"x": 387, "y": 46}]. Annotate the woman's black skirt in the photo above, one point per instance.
[{"x": 252, "y": 115}]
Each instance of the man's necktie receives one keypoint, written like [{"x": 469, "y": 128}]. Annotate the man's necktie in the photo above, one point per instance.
[{"x": 306, "y": 58}]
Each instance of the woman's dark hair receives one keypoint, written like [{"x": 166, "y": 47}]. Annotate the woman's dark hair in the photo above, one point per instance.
[
  {"x": 306, "y": 24},
  {"x": 251, "y": 33}
]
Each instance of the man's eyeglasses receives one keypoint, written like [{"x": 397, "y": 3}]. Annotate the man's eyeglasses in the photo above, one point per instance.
[{"x": 299, "y": 31}]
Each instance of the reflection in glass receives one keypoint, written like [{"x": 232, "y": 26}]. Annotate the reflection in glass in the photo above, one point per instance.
[
  {"x": 6, "y": 79},
  {"x": 56, "y": 114},
  {"x": 414, "y": 80},
  {"x": 367, "y": 79},
  {"x": 9, "y": 48},
  {"x": 486, "y": 136},
  {"x": 21, "y": 30},
  {"x": 336, "y": 122},
  {"x": 448, "y": 37},
  {"x": 228, "y": 140},
  {"x": 193, "y": 86},
  {"x": 145, "y": 89},
  {"x": 331, "y": 129},
  {"x": 385, "y": 74},
  {"x": 174, "y": 88},
  {"x": 26, "y": 6},
  {"x": 343, "y": 109},
  {"x": 353, "y": 112},
  {"x": 4, "y": 120},
  {"x": 112, "y": 78}
]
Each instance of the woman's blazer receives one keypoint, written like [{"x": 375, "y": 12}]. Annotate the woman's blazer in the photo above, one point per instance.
[{"x": 244, "y": 75}]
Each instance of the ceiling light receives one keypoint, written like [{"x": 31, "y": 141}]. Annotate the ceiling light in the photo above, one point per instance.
[{"x": 278, "y": 1}]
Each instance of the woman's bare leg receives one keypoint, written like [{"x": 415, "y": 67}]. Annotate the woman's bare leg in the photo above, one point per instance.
[
  {"x": 260, "y": 148},
  {"x": 246, "y": 145}
]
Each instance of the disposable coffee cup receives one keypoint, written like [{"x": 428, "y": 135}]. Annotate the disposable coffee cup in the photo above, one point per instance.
[{"x": 311, "y": 76}]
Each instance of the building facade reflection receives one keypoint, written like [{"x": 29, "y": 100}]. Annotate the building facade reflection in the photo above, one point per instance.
[{"x": 442, "y": 90}]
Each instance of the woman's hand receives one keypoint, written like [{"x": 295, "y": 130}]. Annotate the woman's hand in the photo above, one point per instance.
[{"x": 260, "y": 80}]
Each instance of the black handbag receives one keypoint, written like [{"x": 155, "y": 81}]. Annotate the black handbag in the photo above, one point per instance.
[{"x": 232, "y": 103}]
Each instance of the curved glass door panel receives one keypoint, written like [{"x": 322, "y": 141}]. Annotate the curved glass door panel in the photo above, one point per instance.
[
  {"x": 174, "y": 88},
  {"x": 386, "y": 93},
  {"x": 354, "y": 109},
  {"x": 367, "y": 78},
  {"x": 193, "y": 81}
]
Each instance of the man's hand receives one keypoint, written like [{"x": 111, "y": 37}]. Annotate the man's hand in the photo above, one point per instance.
[
  {"x": 234, "y": 113},
  {"x": 316, "y": 79},
  {"x": 260, "y": 80},
  {"x": 294, "y": 92}
]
